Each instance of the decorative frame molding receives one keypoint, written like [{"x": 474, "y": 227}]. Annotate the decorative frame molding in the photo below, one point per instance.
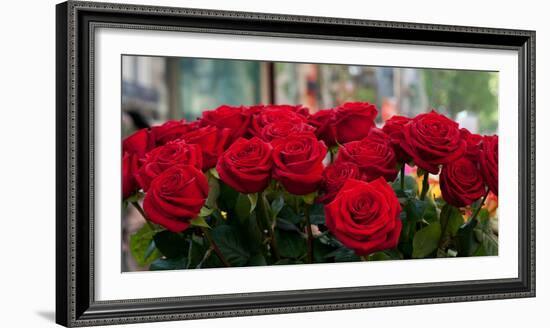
[{"x": 75, "y": 30}]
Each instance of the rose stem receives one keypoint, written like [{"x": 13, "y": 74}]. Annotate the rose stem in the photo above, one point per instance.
[
  {"x": 214, "y": 246},
  {"x": 142, "y": 212},
  {"x": 403, "y": 177},
  {"x": 309, "y": 235},
  {"x": 425, "y": 186},
  {"x": 478, "y": 209},
  {"x": 271, "y": 231}
]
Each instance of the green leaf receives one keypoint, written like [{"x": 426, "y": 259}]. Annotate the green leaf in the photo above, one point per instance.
[
  {"x": 257, "y": 260},
  {"x": 135, "y": 197},
  {"x": 243, "y": 208},
  {"x": 390, "y": 254},
  {"x": 414, "y": 209},
  {"x": 485, "y": 222},
  {"x": 310, "y": 198},
  {"x": 330, "y": 240},
  {"x": 231, "y": 244},
  {"x": 343, "y": 254},
  {"x": 213, "y": 192},
  {"x": 214, "y": 173},
  {"x": 411, "y": 187},
  {"x": 286, "y": 225},
  {"x": 320, "y": 251},
  {"x": 228, "y": 198},
  {"x": 488, "y": 243},
  {"x": 169, "y": 264},
  {"x": 142, "y": 246},
  {"x": 289, "y": 215},
  {"x": 405, "y": 248},
  {"x": 199, "y": 222},
  {"x": 171, "y": 244},
  {"x": 465, "y": 239},
  {"x": 288, "y": 261},
  {"x": 451, "y": 219},
  {"x": 205, "y": 211},
  {"x": 430, "y": 213},
  {"x": 277, "y": 205},
  {"x": 195, "y": 252},
  {"x": 426, "y": 240},
  {"x": 291, "y": 244},
  {"x": 253, "y": 198},
  {"x": 317, "y": 214}
]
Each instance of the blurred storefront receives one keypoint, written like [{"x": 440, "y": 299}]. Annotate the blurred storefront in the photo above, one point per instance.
[{"x": 155, "y": 89}]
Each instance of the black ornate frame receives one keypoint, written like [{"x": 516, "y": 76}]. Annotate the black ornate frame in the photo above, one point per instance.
[{"x": 76, "y": 23}]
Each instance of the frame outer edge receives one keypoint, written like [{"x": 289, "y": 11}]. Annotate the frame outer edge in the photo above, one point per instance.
[
  {"x": 62, "y": 275},
  {"x": 66, "y": 106}
]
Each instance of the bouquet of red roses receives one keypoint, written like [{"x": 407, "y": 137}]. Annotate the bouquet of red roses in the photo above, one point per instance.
[{"x": 272, "y": 184}]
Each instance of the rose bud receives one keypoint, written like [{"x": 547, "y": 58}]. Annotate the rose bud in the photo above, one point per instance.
[
  {"x": 394, "y": 129},
  {"x": 364, "y": 216},
  {"x": 175, "y": 197},
  {"x": 473, "y": 144},
  {"x": 246, "y": 165},
  {"x": 431, "y": 140},
  {"x": 275, "y": 113},
  {"x": 170, "y": 131},
  {"x": 212, "y": 142},
  {"x": 282, "y": 129},
  {"x": 298, "y": 162},
  {"x": 299, "y": 109},
  {"x": 129, "y": 170},
  {"x": 489, "y": 162},
  {"x": 373, "y": 155},
  {"x": 353, "y": 121},
  {"x": 164, "y": 157},
  {"x": 236, "y": 119},
  {"x": 334, "y": 177},
  {"x": 139, "y": 143},
  {"x": 461, "y": 183},
  {"x": 323, "y": 121}
]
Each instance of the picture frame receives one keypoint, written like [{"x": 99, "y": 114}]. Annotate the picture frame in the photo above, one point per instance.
[{"x": 77, "y": 22}]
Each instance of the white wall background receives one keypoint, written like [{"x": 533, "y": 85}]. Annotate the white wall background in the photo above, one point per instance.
[{"x": 27, "y": 162}]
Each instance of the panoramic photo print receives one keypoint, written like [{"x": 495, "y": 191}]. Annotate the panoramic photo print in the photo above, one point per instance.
[{"x": 232, "y": 163}]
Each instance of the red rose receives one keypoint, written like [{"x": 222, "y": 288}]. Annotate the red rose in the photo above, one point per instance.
[
  {"x": 164, "y": 157},
  {"x": 246, "y": 165},
  {"x": 212, "y": 141},
  {"x": 334, "y": 177},
  {"x": 236, "y": 119},
  {"x": 323, "y": 122},
  {"x": 461, "y": 182},
  {"x": 139, "y": 143},
  {"x": 274, "y": 113},
  {"x": 364, "y": 216},
  {"x": 298, "y": 162},
  {"x": 175, "y": 197},
  {"x": 170, "y": 131},
  {"x": 353, "y": 121},
  {"x": 489, "y": 162},
  {"x": 282, "y": 129},
  {"x": 298, "y": 109},
  {"x": 373, "y": 155},
  {"x": 473, "y": 144},
  {"x": 129, "y": 170},
  {"x": 431, "y": 139},
  {"x": 394, "y": 128}
]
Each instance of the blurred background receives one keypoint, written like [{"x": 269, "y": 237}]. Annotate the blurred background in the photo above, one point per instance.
[{"x": 156, "y": 89}]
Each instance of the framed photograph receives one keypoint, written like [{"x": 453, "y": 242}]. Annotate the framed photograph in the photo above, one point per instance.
[{"x": 214, "y": 163}]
